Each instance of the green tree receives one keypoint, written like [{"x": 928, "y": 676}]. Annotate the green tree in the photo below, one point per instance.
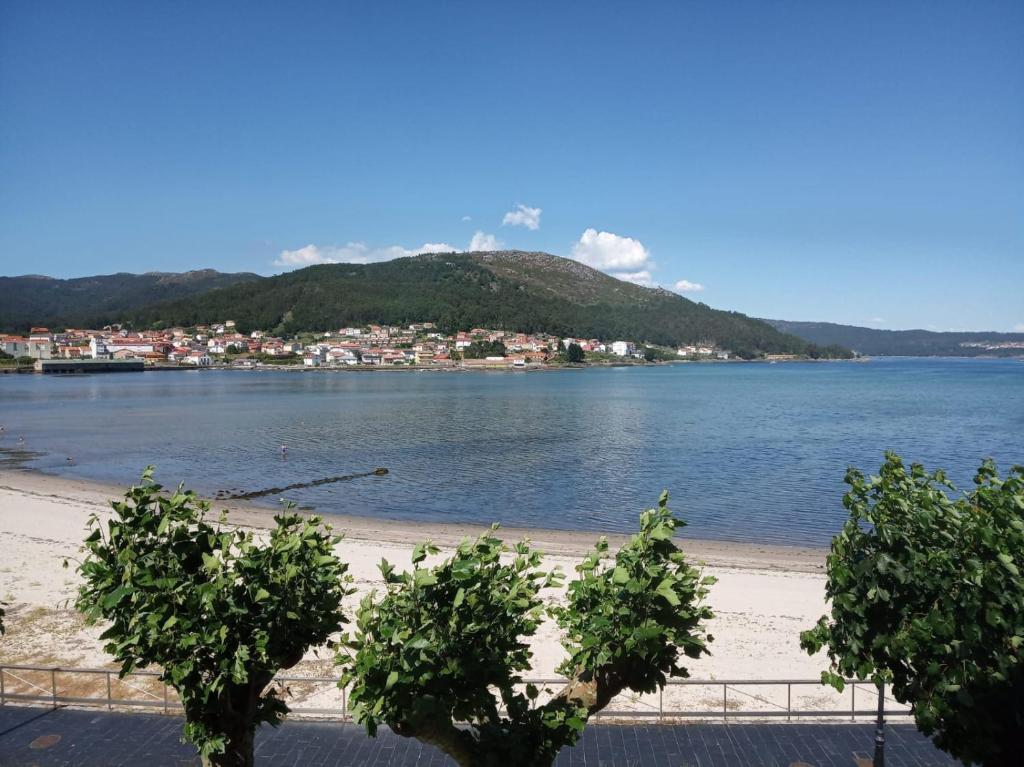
[
  {"x": 927, "y": 594},
  {"x": 441, "y": 655},
  {"x": 574, "y": 353},
  {"x": 479, "y": 350},
  {"x": 219, "y": 612}
]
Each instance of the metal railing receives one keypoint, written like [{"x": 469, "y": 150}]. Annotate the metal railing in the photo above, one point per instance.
[{"x": 42, "y": 685}]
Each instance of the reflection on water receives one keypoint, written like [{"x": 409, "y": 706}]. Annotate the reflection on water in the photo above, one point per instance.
[{"x": 749, "y": 452}]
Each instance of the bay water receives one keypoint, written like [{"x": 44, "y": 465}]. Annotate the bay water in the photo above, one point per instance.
[{"x": 749, "y": 452}]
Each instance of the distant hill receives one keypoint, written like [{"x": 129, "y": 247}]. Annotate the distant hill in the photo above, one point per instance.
[
  {"x": 908, "y": 343},
  {"x": 507, "y": 289},
  {"x": 92, "y": 301}
]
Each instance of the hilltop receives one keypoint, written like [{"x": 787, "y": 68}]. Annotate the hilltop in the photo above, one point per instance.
[
  {"x": 515, "y": 290},
  {"x": 90, "y": 301}
]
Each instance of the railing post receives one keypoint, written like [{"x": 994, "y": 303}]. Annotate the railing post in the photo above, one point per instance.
[
  {"x": 879, "y": 760},
  {"x": 725, "y": 701},
  {"x": 53, "y": 685},
  {"x": 661, "y": 705},
  {"x": 110, "y": 699},
  {"x": 344, "y": 704},
  {"x": 853, "y": 702},
  {"x": 789, "y": 701},
  {"x": 2, "y": 691},
  {"x": 165, "y": 698}
]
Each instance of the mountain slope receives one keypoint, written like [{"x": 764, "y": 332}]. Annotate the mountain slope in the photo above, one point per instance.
[
  {"x": 90, "y": 301},
  {"x": 910, "y": 343},
  {"x": 508, "y": 289}
]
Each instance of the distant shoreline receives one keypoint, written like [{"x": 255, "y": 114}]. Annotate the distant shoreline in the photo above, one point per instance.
[
  {"x": 509, "y": 369},
  {"x": 497, "y": 368}
]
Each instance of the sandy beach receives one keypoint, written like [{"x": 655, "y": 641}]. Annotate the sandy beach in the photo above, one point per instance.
[{"x": 764, "y": 597}]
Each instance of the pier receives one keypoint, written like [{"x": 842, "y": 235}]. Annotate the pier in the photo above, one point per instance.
[{"x": 89, "y": 366}]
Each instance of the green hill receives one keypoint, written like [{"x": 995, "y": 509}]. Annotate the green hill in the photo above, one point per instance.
[
  {"x": 906, "y": 343},
  {"x": 508, "y": 289},
  {"x": 92, "y": 301}
]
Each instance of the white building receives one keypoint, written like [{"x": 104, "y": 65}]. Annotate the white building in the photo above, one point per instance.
[
  {"x": 623, "y": 348},
  {"x": 14, "y": 346},
  {"x": 98, "y": 348},
  {"x": 134, "y": 345},
  {"x": 339, "y": 356}
]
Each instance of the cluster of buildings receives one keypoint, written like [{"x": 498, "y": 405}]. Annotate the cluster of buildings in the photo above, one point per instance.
[
  {"x": 992, "y": 346},
  {"x": 419, "y": 344}
]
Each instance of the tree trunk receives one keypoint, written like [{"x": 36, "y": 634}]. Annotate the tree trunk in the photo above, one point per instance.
[
  {"x": 238, "y": 751},
  {"x": 444, "y": 736},
  {"x": 240, "y": 703}
]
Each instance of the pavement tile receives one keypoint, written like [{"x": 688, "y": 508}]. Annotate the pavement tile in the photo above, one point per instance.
[{"x": 39, "y": 737}]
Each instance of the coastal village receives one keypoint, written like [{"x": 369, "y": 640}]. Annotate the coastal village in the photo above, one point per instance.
[{"x": 420, "y": 345}]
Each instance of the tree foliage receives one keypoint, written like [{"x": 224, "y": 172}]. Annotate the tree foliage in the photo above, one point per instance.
[
  {"x": 574, "y": 353},
  {"x": 479, "y": 350},
  {"x": 218, "y": 612},
  {"x": 440, "y": 656},
  {"x": 927, "y": 594}
]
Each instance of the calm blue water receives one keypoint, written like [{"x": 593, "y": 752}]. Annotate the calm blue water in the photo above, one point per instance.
[{"x": 749, "y": 452}]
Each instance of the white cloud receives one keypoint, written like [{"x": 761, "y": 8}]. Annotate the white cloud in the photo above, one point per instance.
[
  {"x": 685, "y": 286},
  {"x": 482, "y": 241},
  {"x": 642, "y": 277},
  {"x": 354, "y": 253},
  {"x": 361, "y": 253},
  {"x": 523, "y": 215},
  {"x": 311, "y": 254},
  {"x": 467, "y": 218},
  {"x": 877, "y": 321},
  {"x": 604, "y": 250},
  {"x": 1019, "y": 327}
]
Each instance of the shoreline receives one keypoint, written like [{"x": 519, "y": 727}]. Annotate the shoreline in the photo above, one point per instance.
[
  {"x": 764, "y": 595},
  {"x": 496, "y": 368},
  {"x": 562, "y": 543}
]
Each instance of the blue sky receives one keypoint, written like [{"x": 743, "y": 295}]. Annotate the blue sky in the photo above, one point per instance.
[{"x": 852, "y": 162}]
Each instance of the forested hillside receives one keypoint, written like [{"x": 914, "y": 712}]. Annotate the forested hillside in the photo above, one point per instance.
[
  {"x": 909, "y": 343},
  {"x": 510, "y": 289},
  {"x": 91, "y": 301}
]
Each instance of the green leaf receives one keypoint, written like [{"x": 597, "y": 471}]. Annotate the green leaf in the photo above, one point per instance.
[
  {"x": 115, "y": 596},
  {"x": 425, "y": 578},
  {"x": 1007, "y": 561},
  {"x": 666, "y": 591}
]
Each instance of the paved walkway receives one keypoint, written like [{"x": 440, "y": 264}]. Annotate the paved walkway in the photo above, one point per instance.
[{"x": 87, "y": 738}]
